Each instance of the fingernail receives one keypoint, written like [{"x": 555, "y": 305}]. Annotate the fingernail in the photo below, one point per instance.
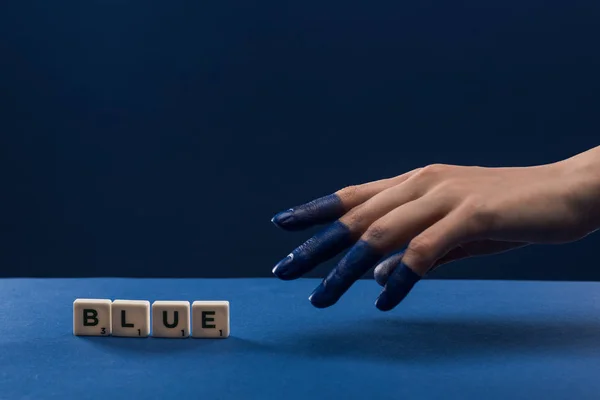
[
  {"x": 281, "y": 267},
  {"x": 384, "y": 301},
  {"x": 397, "y": 288},
  {"x": 283, "y": 218},
  {"x": 320, "y": 298}
]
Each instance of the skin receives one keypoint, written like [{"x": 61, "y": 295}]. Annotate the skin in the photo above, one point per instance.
[{"x": 406, "y": 226}]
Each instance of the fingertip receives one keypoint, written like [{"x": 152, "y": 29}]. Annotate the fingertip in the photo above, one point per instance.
[
  {"x": 321, "y": 247},
  {"x": 284, "y": 219},
  {"x": 358, "y": 260},
  {"x": 320, "y": 298},
  {"x": 379, "y": 275},
  {"x": 385, "y": 268},
  {"x": 320, "y": 211},
  {"x": 286, "y": 269},
  {"x": 383, "y": 305},
  {"x": 398, "y": 286}
]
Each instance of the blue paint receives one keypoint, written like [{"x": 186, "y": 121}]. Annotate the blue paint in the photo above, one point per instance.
[
  {"x": 361, "y": 257},
  {"x": 399, "y": 284},
  {"x": 316, "y": 212},
  {"x": 386, "y": 268},
  {"x": 318, "y": 249}
]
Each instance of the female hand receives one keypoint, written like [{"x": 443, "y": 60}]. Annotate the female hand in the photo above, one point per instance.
[{"x": 439, "y": 213}]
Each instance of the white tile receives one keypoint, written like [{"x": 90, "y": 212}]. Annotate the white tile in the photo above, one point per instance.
[
  {"x": 131, "y": 318},
  {"x": 210, "y": 319},
  {"x": 91, "y": 317},
  {"x": 171, "y": 319}
]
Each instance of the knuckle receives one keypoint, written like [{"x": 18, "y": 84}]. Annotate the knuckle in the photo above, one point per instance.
[
  {"x": 433, "y": 170},
  {"x": 432, "y": 174},
  {"x": 349, "y": 192},
  {"x": 355, "y": 218},
  {"x": 377, "y": 233},
  {"x": 420, "y": 248}
]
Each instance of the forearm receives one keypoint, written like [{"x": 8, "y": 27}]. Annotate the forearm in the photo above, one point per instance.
[{"x": 582, "y": 176}]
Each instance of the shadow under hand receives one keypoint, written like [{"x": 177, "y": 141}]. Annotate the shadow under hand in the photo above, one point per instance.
[{"x": 417, "y": 340}]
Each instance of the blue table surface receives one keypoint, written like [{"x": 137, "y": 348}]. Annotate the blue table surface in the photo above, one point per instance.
[{"x": 448, "y": 339}]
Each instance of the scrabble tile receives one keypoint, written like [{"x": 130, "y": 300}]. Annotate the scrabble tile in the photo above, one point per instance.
[
  {"x": 131, "y": 318},
  {"x": 210, "y": 319},
  {"x": 91, "y": 317},
  {"x": 171, "y": 319}
]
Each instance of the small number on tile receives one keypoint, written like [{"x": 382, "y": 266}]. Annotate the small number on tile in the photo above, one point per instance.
[
  {"x": 91, "y": 317},
  {"x": 171, "y": 319},
  {"x": 131, "y": 318}
]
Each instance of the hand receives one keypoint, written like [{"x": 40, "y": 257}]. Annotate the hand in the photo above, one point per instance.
[{"x": 439, "y": 214}]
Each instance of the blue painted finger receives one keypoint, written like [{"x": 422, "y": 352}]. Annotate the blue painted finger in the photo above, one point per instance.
[
  {"x": 317, "y": 212},
  {"x": 386, "y": 267},
  {"x": 361, "y": 257},
  {"x": 397, "y": 287},
  {"x": 321, "y": 247}
]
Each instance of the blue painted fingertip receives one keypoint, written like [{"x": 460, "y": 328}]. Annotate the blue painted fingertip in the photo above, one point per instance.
[
  {"x": 320, "y": 211},
  {"x": 283, "y": 218},
  {"x": 399, "y": 284},
  {"x": 324, "y": 245},
  {"x": 282, "y": 266},
  {"x": 319, "y": 297},
  {"x": 361, "y": 257}
]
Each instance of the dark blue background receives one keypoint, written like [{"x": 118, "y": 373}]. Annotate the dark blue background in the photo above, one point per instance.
[{"x": 158, "y": 138}]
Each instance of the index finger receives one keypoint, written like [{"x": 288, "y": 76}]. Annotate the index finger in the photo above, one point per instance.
[{"x": 327, "y": 209}]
